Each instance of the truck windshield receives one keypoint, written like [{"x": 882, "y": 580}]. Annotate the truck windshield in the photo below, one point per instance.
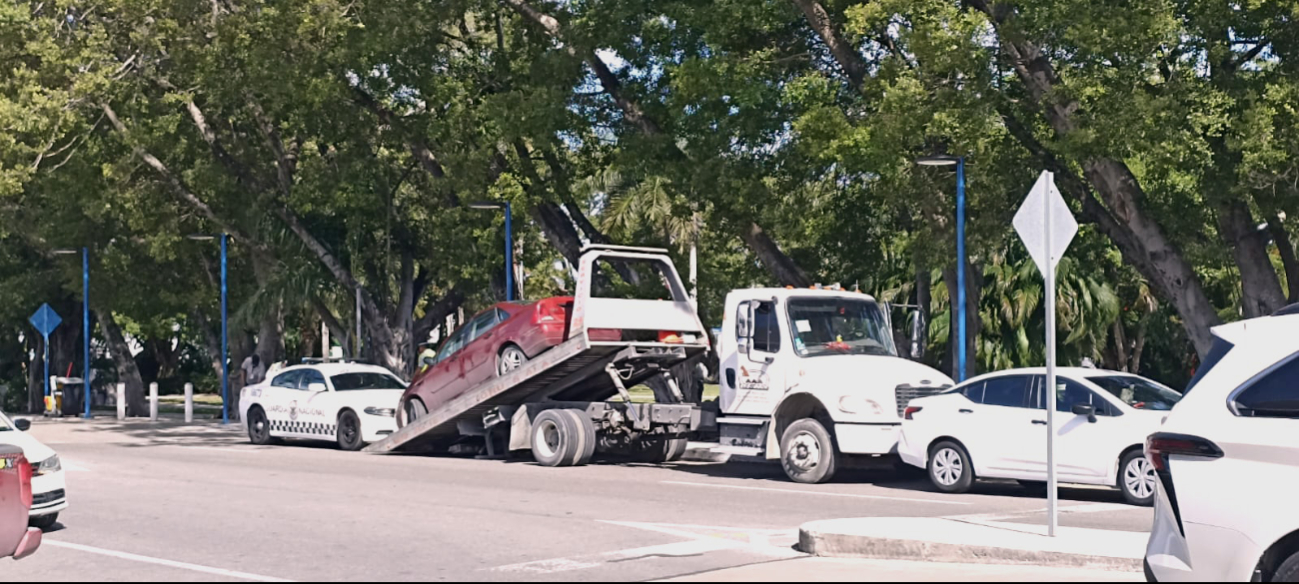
[{"x": 839, "y": 326}]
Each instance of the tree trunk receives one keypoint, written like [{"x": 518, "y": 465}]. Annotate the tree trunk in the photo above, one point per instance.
[
  {"x": 35, "y": 377},
  {"x": 127, "y": 372},
  {"x": 924, "y": 302},
  {"x": 1284, "y": 245},
  {"x": 1158, "y": 258},
  {"x": 1139, "y": 346},
  {"x": 1261, "y": 293},
  {"x": 780, "y": 265},
  {"x": 1121, "y": 360}
]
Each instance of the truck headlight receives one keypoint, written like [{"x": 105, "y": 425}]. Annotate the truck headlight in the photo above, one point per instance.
[
  {"x": 50, "y": 465},
  {"x": 385, "y": 412},
  {"x": 855, "y": 404}
]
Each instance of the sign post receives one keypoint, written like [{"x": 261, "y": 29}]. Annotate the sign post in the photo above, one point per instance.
[
  {"x": 1047, "y": 227},
  {"x": 46, "y": 320}
]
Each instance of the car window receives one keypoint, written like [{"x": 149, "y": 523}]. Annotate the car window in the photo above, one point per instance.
[
  {"x": 308, "y": 377},
  {"x": 453, "y": 344},
  {"x": 766, "y": 328},
  {"x": 1138, "y": 392},
  {"x": 482, "y": 323},
  {"x": 974, "y": 392},
  {"x": 1275, "y": 394},
  {"x": 287, "y": 380},
  {"x": 1010, "y": 391},
  {"x": 365, "y": 380},
  {"x": 1070, "y": 393}
]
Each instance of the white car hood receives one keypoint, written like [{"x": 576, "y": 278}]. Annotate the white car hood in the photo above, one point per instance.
[{"x": 33, "y": 449}]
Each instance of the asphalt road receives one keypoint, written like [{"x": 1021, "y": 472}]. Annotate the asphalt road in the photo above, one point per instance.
[{"x": 167, "y": 503}]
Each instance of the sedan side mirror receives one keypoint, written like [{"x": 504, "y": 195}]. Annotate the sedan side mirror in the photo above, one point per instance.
[
  {"x": 430, "y": 361},
  {"x": 23, "y": 424},
  {"x": 1085, "y": 410},
  {"x": 317, "y": 387}
]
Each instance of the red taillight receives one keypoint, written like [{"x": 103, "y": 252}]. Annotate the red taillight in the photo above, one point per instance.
[
  {"x": 550, "y": 311},
  {"x": 25, "y": 479},
  {"x": 1161, "y": 446},
  {"x": 906, "y": 414}
]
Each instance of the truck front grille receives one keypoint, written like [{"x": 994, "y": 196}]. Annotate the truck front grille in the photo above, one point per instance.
[{"x": 906, "y": 393}]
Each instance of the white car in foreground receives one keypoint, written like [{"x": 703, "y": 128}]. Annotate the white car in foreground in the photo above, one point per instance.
[
  {"x": 348, "y": 403},
  {"x": 1228, "y": 462},
  {"x": 49, "y": 488},
  {"x": 994, "y": 426}
]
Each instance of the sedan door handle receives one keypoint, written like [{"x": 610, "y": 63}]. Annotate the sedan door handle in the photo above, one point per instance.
[
  {"x": 966, "y": 411},
  {"x": 1039, "y": 422}
]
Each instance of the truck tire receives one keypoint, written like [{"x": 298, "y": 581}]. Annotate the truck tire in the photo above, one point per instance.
[
  {"x": 557, "y": 438},
  {"x": 808, "y": 452},
  {"x": 587, "y": 434},
  {"x": 1289, "y": 570}
]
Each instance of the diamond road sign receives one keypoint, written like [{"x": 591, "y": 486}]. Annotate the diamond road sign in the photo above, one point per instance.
[
  {"x": 45, "y": 320},
  {"x": 1031, "y": 223}
]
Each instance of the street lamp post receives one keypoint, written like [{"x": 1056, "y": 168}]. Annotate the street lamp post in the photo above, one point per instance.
[
  {"x": 959, "y": 162},
  {"x": 85, "y": 327},
  {"x": 509, "y": 243},
  {"x": 225, "y": 324}
]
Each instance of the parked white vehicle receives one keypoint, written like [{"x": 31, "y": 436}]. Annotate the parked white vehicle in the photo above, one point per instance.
[
  {"x": 994, "y": 426},
  {"x": 49, "y": 487},
  {"x": 348, "y": 403},
  {"x": 1228, "y": 462}
]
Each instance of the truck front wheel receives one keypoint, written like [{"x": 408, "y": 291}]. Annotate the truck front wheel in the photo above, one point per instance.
[{"x": 808, "y": 452}]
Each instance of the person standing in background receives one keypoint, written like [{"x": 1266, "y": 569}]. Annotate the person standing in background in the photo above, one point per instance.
[{"x": 253, "y": 369}]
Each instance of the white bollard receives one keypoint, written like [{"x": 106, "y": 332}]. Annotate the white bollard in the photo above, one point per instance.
[
  {"x": 121, "y": 401},
  {"x": 153, "y": 402},
  {"x": 189, "y": 403}
]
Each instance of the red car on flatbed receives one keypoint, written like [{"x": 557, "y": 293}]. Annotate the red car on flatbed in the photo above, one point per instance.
[
  {"x": 494, "y": 342},
  {"x": 17, "y": 540}
]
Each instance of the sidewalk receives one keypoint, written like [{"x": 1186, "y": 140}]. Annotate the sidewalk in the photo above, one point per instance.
[
  {"x": 853, "y": 570},
  {"x": 971, "y": 541},
  {"x": 106, "y": 429}
]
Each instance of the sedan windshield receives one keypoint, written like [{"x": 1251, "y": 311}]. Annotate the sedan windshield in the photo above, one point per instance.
[
  {"x": 839, "y": 326},
  {"x": 1138, "y": 392},
  {"x": 364, "y": 381}
]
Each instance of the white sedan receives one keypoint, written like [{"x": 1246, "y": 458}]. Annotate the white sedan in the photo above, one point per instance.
[
  {"x": 1228, "y": 462},
  {"x": 994, "y": 426},
  {"x": 49, "y": 488},
  {"x": 348, "y": 403}
]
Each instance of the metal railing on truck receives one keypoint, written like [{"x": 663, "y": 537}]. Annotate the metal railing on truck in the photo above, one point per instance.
[{"x": 578, "y": 369}]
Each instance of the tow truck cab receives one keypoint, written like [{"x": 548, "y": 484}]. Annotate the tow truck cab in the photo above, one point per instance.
[{"x": 810, "y": 375}]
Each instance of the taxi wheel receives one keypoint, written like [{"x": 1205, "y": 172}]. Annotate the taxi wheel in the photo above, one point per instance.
[
  {"x": 259, "y": 428},
  {"x": 349, "y": 431}
]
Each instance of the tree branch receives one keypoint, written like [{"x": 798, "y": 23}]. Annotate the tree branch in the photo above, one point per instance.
[{"x": 844, "y": 53}]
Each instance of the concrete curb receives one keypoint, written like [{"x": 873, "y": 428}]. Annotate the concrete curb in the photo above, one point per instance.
[{"x": 833, "y": 539}]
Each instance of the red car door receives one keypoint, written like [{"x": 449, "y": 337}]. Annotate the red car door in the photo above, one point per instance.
[
  {"x": 443, "y": 379},
  {"x": 479, "y": 362}
]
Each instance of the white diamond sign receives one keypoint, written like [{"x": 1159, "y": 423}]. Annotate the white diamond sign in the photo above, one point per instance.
[{"x": 1045, "y": 218}]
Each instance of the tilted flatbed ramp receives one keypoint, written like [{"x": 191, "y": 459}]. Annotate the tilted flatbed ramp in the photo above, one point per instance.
[{"x": 578, "y": 368}]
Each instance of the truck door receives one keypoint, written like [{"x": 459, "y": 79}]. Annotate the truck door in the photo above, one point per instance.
[{"x": 755, "y": 373}]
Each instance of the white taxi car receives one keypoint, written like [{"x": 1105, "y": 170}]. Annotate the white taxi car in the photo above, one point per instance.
[
  {"x": 994, "y": 427},
  {"x": 349, "y": 403},
  {"x": 49, "y": 488}
]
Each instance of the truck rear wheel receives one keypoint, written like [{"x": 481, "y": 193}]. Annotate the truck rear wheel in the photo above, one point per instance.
[
  {"x": 807, "y": 452},
  {"x": 560, "y": 438},
  {"x": 660, "y": 451}
]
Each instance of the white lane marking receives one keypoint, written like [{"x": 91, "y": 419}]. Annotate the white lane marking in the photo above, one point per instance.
[
  {"x": 161, "y": 562},
  {"x": 701, "y": 539},
  {"x": 817, "y": 493},
  {"x": 232, "y": 448}
]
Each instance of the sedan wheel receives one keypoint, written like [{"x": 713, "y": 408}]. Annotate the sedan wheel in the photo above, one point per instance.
[
  {"x": 511, "y": 358},
  {"x": 1137, "y": 479},
  {"x": 950, "y": 469}
]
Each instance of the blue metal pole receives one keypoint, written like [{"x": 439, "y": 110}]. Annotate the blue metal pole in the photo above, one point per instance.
[
  {"x": 47, "y": 373},
  {"x": 962, "y": 306},
  {"x": 85, "y": 327},
  {"x": 225, "y": 338},
  {"x": 509, "y": 255}
]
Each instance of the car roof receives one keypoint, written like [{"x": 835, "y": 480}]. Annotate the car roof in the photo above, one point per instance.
[
  {"x": 332, "y": 369},
  {"x": 1083, "y": 372}
]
